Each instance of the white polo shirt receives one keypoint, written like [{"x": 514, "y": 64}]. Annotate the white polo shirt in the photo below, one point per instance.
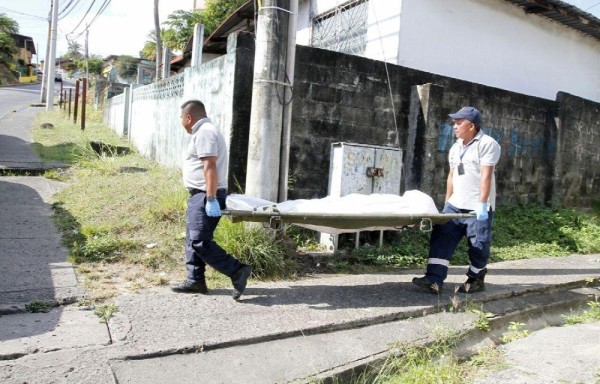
[
  {"x": 206, "y": 140},
  {"x": 482, "y": 150}
]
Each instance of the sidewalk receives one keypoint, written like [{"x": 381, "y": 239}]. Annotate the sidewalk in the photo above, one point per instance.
[{"x": 279, "y": 332}]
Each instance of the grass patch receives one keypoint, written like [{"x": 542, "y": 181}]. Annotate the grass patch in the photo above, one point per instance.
[
  {"x": 37, "y": 307},
  {"x": 253, "y": 245},
  {"x": 123, "y": 217},
  {"x": 591, "y": 315},
  {"x": 519, "y": 232}
]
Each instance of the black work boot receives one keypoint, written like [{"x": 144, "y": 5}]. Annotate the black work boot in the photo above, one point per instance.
[
  {"x": 240, "y": 279},
  {"x": 426, "y": 284},
  {"x": 474, "y": 284},
  {"x": 187, "y": 287}
]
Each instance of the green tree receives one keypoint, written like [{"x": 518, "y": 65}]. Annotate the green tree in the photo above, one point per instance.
[
  {"x": 149, "y": 50},
  {"x": 180, "y": 26},
  {"x": 7, "y": 43},
  {"x": 127, "y": 66},
  {"x": 74, "y": 50},
  {"x": 95, "y": 64},
  {"x": 216, "y": 11}
]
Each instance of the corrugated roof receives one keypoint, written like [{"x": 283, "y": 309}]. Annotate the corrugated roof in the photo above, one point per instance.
[{"x": 563, "y": 13}]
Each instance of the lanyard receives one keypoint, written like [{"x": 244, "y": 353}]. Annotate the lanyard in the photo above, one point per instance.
[{"x": 464, "y": 150}]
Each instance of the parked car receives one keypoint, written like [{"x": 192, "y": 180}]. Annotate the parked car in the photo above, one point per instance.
[{"x": 58, "y": 76}]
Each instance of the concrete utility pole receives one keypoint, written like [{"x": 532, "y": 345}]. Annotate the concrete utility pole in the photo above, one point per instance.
[
  {"x": 45, "y": 78},
  {"x": 268, "y": 100},
  {"x": 287, "y": 108},
  {"x": 52, "y": 58}
]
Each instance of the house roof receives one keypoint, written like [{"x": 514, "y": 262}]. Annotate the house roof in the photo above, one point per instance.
[
  {"x": 240, "y": 20},
  {"x": 22, "y": 42},
  {"x": 563, "y": 13}
]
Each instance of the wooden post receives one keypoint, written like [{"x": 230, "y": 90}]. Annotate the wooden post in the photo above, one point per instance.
[
  {"x": 76, "y": 101},
  {"x": 83, "y": 102},
  {"x": 70, "y": 95}
]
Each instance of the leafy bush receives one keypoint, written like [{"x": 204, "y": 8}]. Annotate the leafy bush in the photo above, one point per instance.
[{"x": 253, "y": 245}]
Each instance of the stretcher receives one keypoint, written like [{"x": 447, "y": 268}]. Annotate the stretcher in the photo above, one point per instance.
[
  {"x": 336, "y": 216},
  {"x": 343, "y": 222}
]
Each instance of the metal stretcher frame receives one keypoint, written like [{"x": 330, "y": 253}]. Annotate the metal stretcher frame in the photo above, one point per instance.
[{"x": 351, "y": 222}]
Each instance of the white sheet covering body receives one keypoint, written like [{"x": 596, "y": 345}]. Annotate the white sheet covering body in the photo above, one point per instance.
[{"x": 412, "y": 202}]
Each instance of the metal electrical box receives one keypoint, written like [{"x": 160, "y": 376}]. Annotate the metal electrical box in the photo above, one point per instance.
[{"x": 365, "y": 169}]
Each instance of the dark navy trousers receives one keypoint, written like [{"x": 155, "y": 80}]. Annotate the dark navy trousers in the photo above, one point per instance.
[
  {"x": 445, "y": 238},
  {"x": 200, "y": 248}
]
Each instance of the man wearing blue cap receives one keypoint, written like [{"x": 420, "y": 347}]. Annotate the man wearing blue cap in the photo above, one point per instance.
[{"x": 471, "y": 186}]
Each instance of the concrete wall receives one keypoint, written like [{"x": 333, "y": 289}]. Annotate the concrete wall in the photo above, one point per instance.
[
  {"x": 549, "y": 147},
  {"x": 348, "y": 98},
  {"x": 488, "y": 42},
  {"x": 223, "y": 85}
]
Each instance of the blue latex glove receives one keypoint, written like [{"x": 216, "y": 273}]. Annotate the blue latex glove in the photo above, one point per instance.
[
  {"x": 482, "y": 212},
  {"x": 213, "y": 209}
]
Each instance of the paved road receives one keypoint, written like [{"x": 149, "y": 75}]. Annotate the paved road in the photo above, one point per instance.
[{"x": 17, "y": 98}]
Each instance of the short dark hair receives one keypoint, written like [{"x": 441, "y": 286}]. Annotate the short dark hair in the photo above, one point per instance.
[{"x": 195, "y": 108}]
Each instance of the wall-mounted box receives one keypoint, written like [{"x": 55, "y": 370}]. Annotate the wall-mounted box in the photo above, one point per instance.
[{"x": 365, "y": 169}]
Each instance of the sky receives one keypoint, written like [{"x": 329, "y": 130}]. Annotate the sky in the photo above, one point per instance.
[{"x": 122, "y": 28}]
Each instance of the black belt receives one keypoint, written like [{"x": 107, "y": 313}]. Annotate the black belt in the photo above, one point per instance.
[{"x": 194, "y": 191}]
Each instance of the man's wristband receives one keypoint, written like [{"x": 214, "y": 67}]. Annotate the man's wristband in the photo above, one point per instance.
[{"x": 211, "y": 197}]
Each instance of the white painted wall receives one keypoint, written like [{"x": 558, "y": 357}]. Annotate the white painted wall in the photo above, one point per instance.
[{"x": 490, "y": 42}]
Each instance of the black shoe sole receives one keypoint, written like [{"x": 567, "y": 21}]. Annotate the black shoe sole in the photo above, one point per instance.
[
  {"x": 239, "y": 285},
  {"x": 187, "y": 289},
  {"x": 426, "y": 286}
]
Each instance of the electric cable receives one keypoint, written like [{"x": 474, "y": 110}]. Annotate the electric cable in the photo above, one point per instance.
[
  {"x": 83, "y": 18},
  {"x": 595, "y": 5},
  {"x": 100, "y": 11},
  {"x": 62, "y": 14},
  {"x": 23, "y": 14}
]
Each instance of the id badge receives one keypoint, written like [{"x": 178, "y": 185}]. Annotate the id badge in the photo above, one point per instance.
[{"x": 461, "y": 169}]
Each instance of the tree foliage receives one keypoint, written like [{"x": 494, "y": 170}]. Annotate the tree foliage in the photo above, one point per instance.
[
  {"x": 95, "y": 64},
  {"x": 149, "y": 50},
  {"x": 74, "y": 50},
  {"x": 179, "y": 26},
  {"x": 216, "y": 11},
  {"x": 7, "y": 43},
  {"x": 126, "y": 66}
]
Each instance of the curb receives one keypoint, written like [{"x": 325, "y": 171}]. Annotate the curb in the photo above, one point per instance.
[{"x": 544, "y": 310}]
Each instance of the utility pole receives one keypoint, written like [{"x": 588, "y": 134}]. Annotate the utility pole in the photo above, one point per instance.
[
  {"x": 159, "y": 47},
  {"x": 87, "y": 35},
  {"x": 287, "y": 108},
  {"x": 52, "y": 58},
  {"x": 45, "y": 77},
  {"x": 268, "y": 100}
]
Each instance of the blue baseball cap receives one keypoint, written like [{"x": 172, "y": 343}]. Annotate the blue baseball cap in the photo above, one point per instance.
[{"x": 468, "y": 113}]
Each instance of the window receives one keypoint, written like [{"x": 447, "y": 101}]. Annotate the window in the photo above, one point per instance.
[{"x": 343, "y": 29}]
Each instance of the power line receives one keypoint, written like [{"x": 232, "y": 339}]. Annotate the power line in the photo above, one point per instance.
[
  {"x": 83, "y": 18},
  {"x": 62, "y": 14},
  {"x": 100, "y": 11},
  {"x": 23, "y": 14},
  {"x": 587, "y": 9}
]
